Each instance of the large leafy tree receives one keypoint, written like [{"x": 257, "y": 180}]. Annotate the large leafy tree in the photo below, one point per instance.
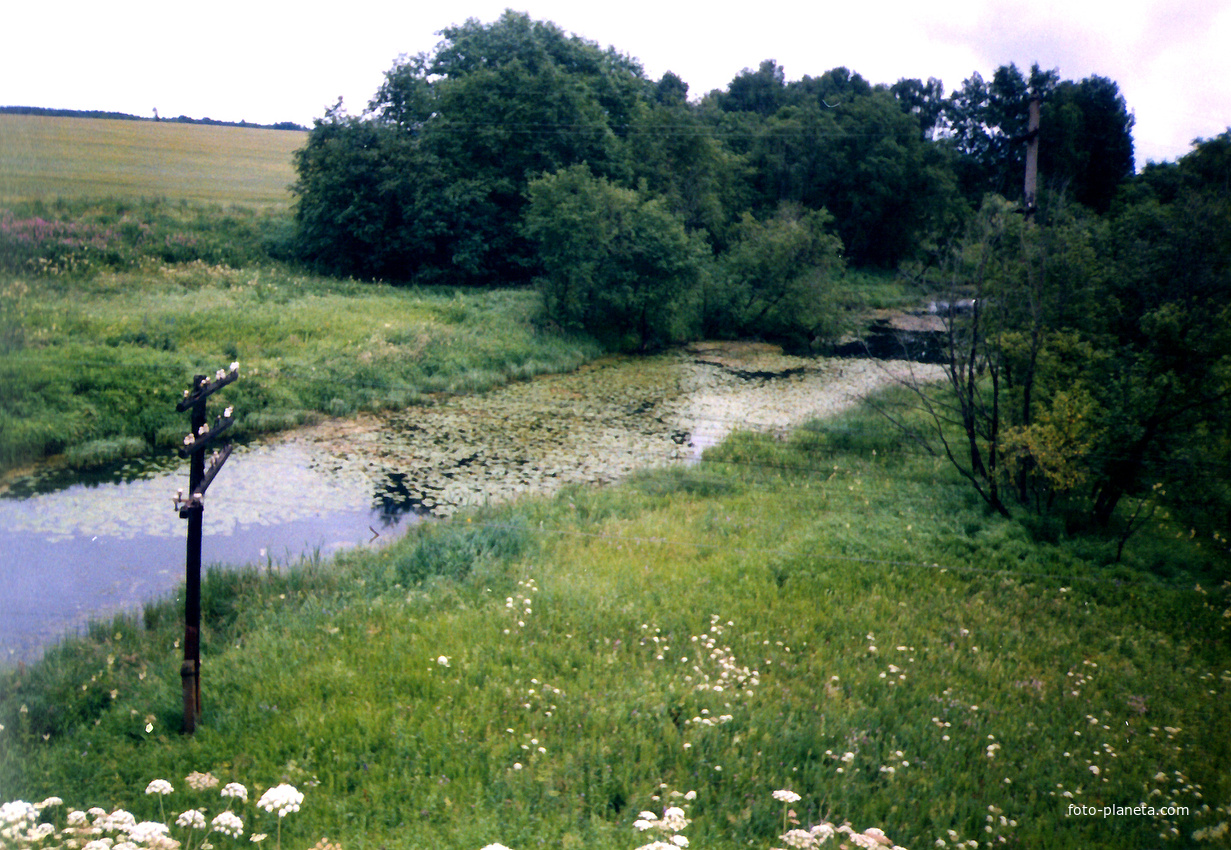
[
  {"x": 986, "y": 123},
  {"x": 776, "y": 280},
  {"x": 1092, "y": 374},
  {"x": 1085, "y": 141},
  {"x": 836, "y": 142},
  {"x": 452, "y": 140}
]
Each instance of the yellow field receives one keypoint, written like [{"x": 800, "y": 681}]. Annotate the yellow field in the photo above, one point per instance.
[{"x": 45, "y": 157}]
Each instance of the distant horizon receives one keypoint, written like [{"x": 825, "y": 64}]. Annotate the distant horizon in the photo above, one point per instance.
[{"x": 61, "y": 112}]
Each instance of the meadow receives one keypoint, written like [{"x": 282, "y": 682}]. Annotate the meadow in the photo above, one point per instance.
[
  {"x": 107, "y": 310},
  {"x": 826, "y": 613}
]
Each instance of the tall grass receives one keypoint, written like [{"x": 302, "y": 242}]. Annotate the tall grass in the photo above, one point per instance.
[
  {"x": 110, "y": 308},
  {"x": 814, "y": 614}
]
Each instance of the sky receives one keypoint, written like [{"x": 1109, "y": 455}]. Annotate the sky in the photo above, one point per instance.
[{"x": 264, "y": 61}]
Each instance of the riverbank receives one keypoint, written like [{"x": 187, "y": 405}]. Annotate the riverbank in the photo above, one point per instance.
[
  {"x": 92, "y": 367},
  {"x": 109, "y": 544},
  {"x": 821, "y": 611}
]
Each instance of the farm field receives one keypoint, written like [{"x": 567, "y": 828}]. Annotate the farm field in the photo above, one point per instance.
[{"x": 44, "y": 157}]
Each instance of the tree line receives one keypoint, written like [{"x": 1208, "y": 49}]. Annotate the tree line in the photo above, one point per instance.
[{"x": 455, "y": 169}]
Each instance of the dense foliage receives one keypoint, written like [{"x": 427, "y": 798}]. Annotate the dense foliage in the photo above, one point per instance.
[
  {"x": 1091, "y": 376},
  {"x": 433, "y": 182}
]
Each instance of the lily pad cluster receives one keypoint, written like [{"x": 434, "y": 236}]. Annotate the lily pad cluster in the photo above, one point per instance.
[{"x": 591, "y": 426}]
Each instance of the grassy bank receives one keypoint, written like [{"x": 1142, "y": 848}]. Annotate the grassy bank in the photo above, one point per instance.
[
  {"x": 826, "y": 614},
  {"x": 107, "y": 310}
]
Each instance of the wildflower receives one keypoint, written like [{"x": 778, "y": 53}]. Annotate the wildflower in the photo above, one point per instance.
[
  {"x": 191, "y": 819},
  {"x": 228, "y": 823},
  {"x": 674, "y": 819},
  {"x": 234, "y": 366},
  {"x": 495, "y": 847},
  {"x": 48, "y": 803},
  {"x": 148, "y": 832},
  {"x": 257, "y": 837},
  {"x": 283, "y": 799},
  {"x": 443, "y": 661},
  {"x": 800, "y": 838},
  {"x": 234, "y": 789},
  {"x": 786, "y": 796},
  {"x": 159, "y": 786},
  {"x": 201, "y": 781}
]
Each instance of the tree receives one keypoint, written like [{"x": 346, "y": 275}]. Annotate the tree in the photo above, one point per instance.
[
  {"x": 431, "y": 182},
  {"x": 762, "y": 91},
  {"x": 986, "y": 123},
  {"x": 926, "y": 101},
  {"x": 776, "y": 279},
  {"x": 1001, "y": 417},
  {"x": 1086, "y": 142},
  {"x": 615, "y": 263},
  {"x": 1085, "y": 137}
]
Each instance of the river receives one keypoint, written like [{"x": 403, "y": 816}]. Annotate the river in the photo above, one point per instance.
[{"x": 74, "y": 548}]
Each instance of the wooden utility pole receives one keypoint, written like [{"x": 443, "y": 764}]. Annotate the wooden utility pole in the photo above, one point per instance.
[
  {"x": 1030, "y": 196},
  {"x": 192, "y": 509}
]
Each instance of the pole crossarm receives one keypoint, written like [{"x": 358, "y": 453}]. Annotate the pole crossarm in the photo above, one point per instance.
[
  {"x": 196, "y": 499},
  {"x": 204, "y": 389},
  {"x": 196, "y": 443},
  {"x": 201, "y": 435}
]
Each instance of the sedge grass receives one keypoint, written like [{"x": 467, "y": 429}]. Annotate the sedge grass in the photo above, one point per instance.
[{"x": 851, "y": 626}]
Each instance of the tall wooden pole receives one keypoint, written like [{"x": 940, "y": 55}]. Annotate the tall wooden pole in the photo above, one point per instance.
[
  {"x": 1030, "y": 199},
  {"x": 193, "y": 509},
  {"x": 190, "y": 670}
]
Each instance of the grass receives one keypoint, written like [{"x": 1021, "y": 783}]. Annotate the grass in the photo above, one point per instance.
[
  {"x": 816, "y": 614},
  {"x": 110, "y": 308},
  {"x": 45, "y": 158}
]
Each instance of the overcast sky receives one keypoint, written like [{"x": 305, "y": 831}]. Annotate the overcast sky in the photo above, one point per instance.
[{"x": 266, "y": 62}]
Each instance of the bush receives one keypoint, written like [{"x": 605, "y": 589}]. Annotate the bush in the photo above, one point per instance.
[{"x": 617, "y": 265}]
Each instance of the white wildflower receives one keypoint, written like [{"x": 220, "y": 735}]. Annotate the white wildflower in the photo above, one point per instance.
[
  {"x": 228, "y": 823},
  {"x": 282, "y": 799},
  {"x": 191, "y": 819},
  {"x": 201, "y": 781}
]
